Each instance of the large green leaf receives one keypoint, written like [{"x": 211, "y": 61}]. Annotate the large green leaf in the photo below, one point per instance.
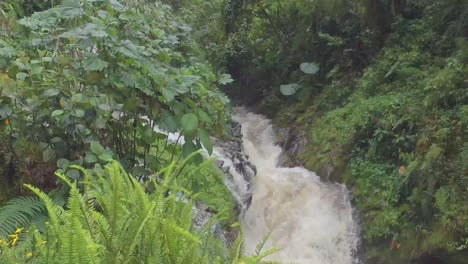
[
  {"x": 57, "y": 112},
  {"x": 309, "y": 68},
  {"x": 48, "y": 154},
  {"x": 205, "y": 140},
  {"x": 289, "y": 89},
  {"x": 169, "y": 123},
  {"x": 71, "y": 9},
  {"x": 94, "y": 64},
  {"x": 225, "y": 79},
  {"x": 51, "y": 92},
  {"x": 97, "y": 148},
  {"x": 88, "y": 30},
  {"x": 63, "y": 163},
  {"x": 105, "y": 107},
  {"x": 189, "y": 122},
  {"x": 36, "y": 70},
  {"x": 168, "y": 94},
  {"x": 204, "y": 116},
  {"x": 188, "y": 148},
  {"x": 149, "y": 135},
  {"x": 116, "y": 5},
  {"x": 90, "y": 158},
  {"x": 107, "y": 155}
]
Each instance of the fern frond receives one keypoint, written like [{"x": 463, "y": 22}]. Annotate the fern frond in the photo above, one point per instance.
[
  {"x": 19, "y": 212},
  {"x": 116, "y": 221},
  {"x": 182, "y": 232},
  {"x": 262, "y": 243},
  {"x": 78, "y": 207},
  {"x": 237, "y": 248},
  {"x": 268, "y": 253},
  {"x": 259, "y": 256},
  {"x": 103, "y": 228},
  {"x": 55, "y": 212},
  {"x": 138, "y": 232}
]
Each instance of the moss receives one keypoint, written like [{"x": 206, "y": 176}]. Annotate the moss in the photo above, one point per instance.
[
  {"x": 397, "y": 138},
  {"x": 207, "y": 180}
]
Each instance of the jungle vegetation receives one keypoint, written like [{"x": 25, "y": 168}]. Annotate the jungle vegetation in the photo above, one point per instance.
[
  {"x": 376, "y": 91},
  {"x": 376, "y": 94}
]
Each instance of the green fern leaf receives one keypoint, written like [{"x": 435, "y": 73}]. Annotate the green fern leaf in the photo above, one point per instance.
[{"x": 19, "y": 212}]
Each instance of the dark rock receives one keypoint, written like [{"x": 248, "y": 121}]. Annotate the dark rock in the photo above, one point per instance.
[
  {"x": 327, "y": 172},
  {"x": 293, "y": 143},
  {"x": 234, "y": 159},
  {"x": 219, "y": 163},
  {"x": 248, "y": 202},
  {"x": 232, "y": 149},
  {"x": 235, "y": 130},
  {"x": 202, "y": 215}
]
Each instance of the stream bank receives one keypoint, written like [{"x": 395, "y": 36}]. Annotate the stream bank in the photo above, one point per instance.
[{"x": 293, "y": 127}]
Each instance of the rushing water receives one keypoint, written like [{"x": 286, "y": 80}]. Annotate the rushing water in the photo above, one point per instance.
[{"x": 309, "y": 220}]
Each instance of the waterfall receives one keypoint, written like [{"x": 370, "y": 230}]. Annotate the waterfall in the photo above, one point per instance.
[{"x": 310, "y": 221}]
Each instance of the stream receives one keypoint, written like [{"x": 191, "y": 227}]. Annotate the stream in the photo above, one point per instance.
[{"x": 310, "y": 221}]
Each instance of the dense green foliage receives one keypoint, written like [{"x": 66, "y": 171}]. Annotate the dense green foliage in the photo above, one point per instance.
[
  {"x": 115, "y": 219},
  {"x": 77, "y": 80},
  {"x": 385, "y": 111},
  {"x": 376, "y": 91},
  {"x": 86, "y": 82}
]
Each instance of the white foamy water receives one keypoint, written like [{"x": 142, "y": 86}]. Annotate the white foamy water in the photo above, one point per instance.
[{"x": 311, "y": 221}]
